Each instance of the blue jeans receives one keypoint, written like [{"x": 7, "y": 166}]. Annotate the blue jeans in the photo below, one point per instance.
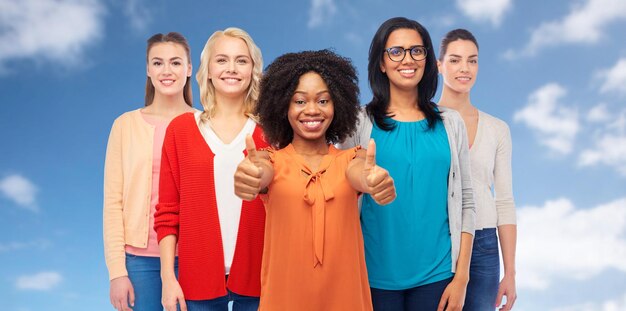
[
  {"x": 420, "y": 298},
  {"x": 482, "y": 288},
  {"x": 240, "y": 303},
  {"x": 145, "y": 275}
]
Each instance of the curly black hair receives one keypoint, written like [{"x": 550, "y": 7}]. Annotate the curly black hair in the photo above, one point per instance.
[{"x": 279, "y": 83}]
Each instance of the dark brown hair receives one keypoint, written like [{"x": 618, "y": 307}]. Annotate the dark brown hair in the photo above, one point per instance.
[{"x": 177, "y": 38}]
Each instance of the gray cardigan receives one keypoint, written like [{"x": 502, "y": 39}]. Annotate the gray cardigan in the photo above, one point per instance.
[{"x": 461, "y": 206}]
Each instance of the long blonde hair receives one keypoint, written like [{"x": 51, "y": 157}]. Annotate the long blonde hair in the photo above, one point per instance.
[{"x": 207, "y": 90}]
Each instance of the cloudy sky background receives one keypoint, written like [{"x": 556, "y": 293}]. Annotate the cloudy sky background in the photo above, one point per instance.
[{"x": 554, "y": 70}]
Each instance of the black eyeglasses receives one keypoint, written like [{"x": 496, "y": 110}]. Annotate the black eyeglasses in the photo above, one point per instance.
[{"x": 397, "y": 53}]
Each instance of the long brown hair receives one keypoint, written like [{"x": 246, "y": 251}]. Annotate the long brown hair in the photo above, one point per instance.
[{"x": 177, "y": 38}]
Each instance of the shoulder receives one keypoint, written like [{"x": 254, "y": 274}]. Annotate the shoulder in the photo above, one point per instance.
[
  {"x": 494, "y": 124},
  {"x": 449, "y": 113},
  {"x": 491, "y": 120},
  {"x": 184, "y": 120},
  {"x": 127, "y": 117},
  {"x": 451, "y": 118}
]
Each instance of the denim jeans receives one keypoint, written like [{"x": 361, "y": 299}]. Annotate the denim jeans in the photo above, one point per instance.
[
  {"x": 420, "y": 298},
  {"x": 482, "y": 288},
  {"x": 145, "y": 276},
  {"x": 240, "y": 303}
]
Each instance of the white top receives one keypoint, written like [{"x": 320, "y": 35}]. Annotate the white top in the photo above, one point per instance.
[
  {"x": 491, "y": 173},
  {"x": 227, "y": 157}
]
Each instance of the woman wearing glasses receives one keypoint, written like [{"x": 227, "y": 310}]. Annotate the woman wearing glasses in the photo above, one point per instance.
[{"x": 417, "y": 248}]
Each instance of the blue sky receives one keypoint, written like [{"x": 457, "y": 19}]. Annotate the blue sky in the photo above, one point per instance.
[{"x": 554, "y": 70}]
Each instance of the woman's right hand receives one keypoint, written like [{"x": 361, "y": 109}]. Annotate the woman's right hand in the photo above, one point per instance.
[
  {"x": 122, "y": 294},
  {"x": 172, "y": 295},
  {"x": 249, "y": 174}
]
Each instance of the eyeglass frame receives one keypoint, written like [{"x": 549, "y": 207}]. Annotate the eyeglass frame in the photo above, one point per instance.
[{"x": 404, "y": 54}]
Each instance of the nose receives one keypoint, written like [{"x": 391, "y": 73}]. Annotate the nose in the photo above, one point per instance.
[
  {"x": 464, "y": 67},
  {"x": 231, "y": 67},
  {"x": 167, "y": 68},
  {"x": 311, "y": 108},
  {"x": 407, "y": 58}
]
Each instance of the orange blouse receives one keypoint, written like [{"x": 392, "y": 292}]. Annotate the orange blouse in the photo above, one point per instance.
[{"x": 313, "y": 255}]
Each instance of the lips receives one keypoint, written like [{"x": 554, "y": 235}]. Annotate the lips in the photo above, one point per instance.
[
  {"x": 407, "y": 73},
  {"x": 231, "y": 80},
  {"x": 312, "y": 125},
  {"x": 463, "y": 79},
  {"x": 167, "y": 82}
]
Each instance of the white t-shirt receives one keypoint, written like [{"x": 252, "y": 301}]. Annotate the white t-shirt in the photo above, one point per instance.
[{"x": 227, "y": 157}]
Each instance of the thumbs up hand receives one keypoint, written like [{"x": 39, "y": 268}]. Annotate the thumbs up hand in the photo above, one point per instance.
[
  {"x": 377, "y": 181},
  {"x": 249, "y": 174}
]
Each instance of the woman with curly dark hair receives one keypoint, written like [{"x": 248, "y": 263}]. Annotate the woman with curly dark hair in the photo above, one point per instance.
[
  {"x": 313, "y": 254},
  {"x": 418, "y": 248}
]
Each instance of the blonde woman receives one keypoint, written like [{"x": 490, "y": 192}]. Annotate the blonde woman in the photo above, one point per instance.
[
  {"x": 131, "y": 176},
  {"x": 219, "y": 236}
]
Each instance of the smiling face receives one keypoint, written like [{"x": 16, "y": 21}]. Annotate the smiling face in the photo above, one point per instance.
[
  {"x": 459, "y": 66},
  {"x": 168, "y": 68},
  {"x": 230, "y": 67},
  {"x": 406, "y": 74},
  {"x": 311, "y": 110}
]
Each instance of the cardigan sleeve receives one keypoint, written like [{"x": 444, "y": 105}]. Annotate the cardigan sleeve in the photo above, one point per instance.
[
  {"x": 166, "y": 217},
  {"x": 502, "y": 176},
  {"x": 468, "y": 214},
  {"x": 355, "y": 138},
  {"x": 113, "y": 222}
]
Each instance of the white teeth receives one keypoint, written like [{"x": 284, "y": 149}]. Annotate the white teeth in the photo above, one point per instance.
[
  {"x": 311, "y": 124},
  {"x": 463, "y": 78},
  {"x": 167, "y": 82},
  {"x": 407, "y": 70}
]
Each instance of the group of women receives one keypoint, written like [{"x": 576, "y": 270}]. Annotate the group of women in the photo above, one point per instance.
[{"x": 394, "y": 206}]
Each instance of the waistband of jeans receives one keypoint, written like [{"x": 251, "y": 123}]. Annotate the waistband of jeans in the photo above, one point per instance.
[{"x": 485, "y": 232}]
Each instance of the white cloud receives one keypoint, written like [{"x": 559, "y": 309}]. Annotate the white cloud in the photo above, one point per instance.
[
  {"x": 583, "y": 25},
  {"x": 321, "y": 12},
  {"x": 40, "y": 281},
  {"x": 138, "y": 14},
  {"x": 51, "y": 30},
  {"x": 21, "y": 190},
  {"x": 609, "y": 145},
  {"x": 598, "y": 114},
  {"x": 14, "y": 246},
  {"x": 615, "y": 78},
  {"x": 485, "y": 10},
  {"x": 554, "y": 123},
  {"x": 559, "y": 241},
  {"x": 616, "y": 304}
]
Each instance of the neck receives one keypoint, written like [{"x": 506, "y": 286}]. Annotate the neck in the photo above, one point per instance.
[
  {"x": 168, "y": 105},
  {"x": 455, "y": 100},
  {"x": 228, "y": 107},
  {"x": 402, "y": 99},
  {"x": 310, "y": 148}
]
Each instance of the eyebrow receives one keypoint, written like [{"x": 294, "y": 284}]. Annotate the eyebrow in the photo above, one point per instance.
[
  {"x": 237, "y": 56},
  {"x": 303, "y": 92},
  {"x": 459, "y": 56},
  {"x": 173, "y": 58}
]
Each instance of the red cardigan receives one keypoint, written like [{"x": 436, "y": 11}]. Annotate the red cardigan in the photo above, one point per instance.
[{"x": 187, "y": 208}]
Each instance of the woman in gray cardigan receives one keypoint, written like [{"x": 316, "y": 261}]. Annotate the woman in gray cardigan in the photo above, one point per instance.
[
  {"x": 418, "y": 247},
  {"x": 490, "y": 154}
]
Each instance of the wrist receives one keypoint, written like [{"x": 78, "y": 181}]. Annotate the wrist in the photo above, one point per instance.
[
  {"x": 462, "y": 278},
  {"x": 509, "y": 274}
]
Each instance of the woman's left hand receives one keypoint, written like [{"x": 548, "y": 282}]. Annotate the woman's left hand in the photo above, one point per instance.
[
  {"x": 453, "y": 296},
  {"x": 378, "y": 183},
  {"x": 507, "y": 288}
]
